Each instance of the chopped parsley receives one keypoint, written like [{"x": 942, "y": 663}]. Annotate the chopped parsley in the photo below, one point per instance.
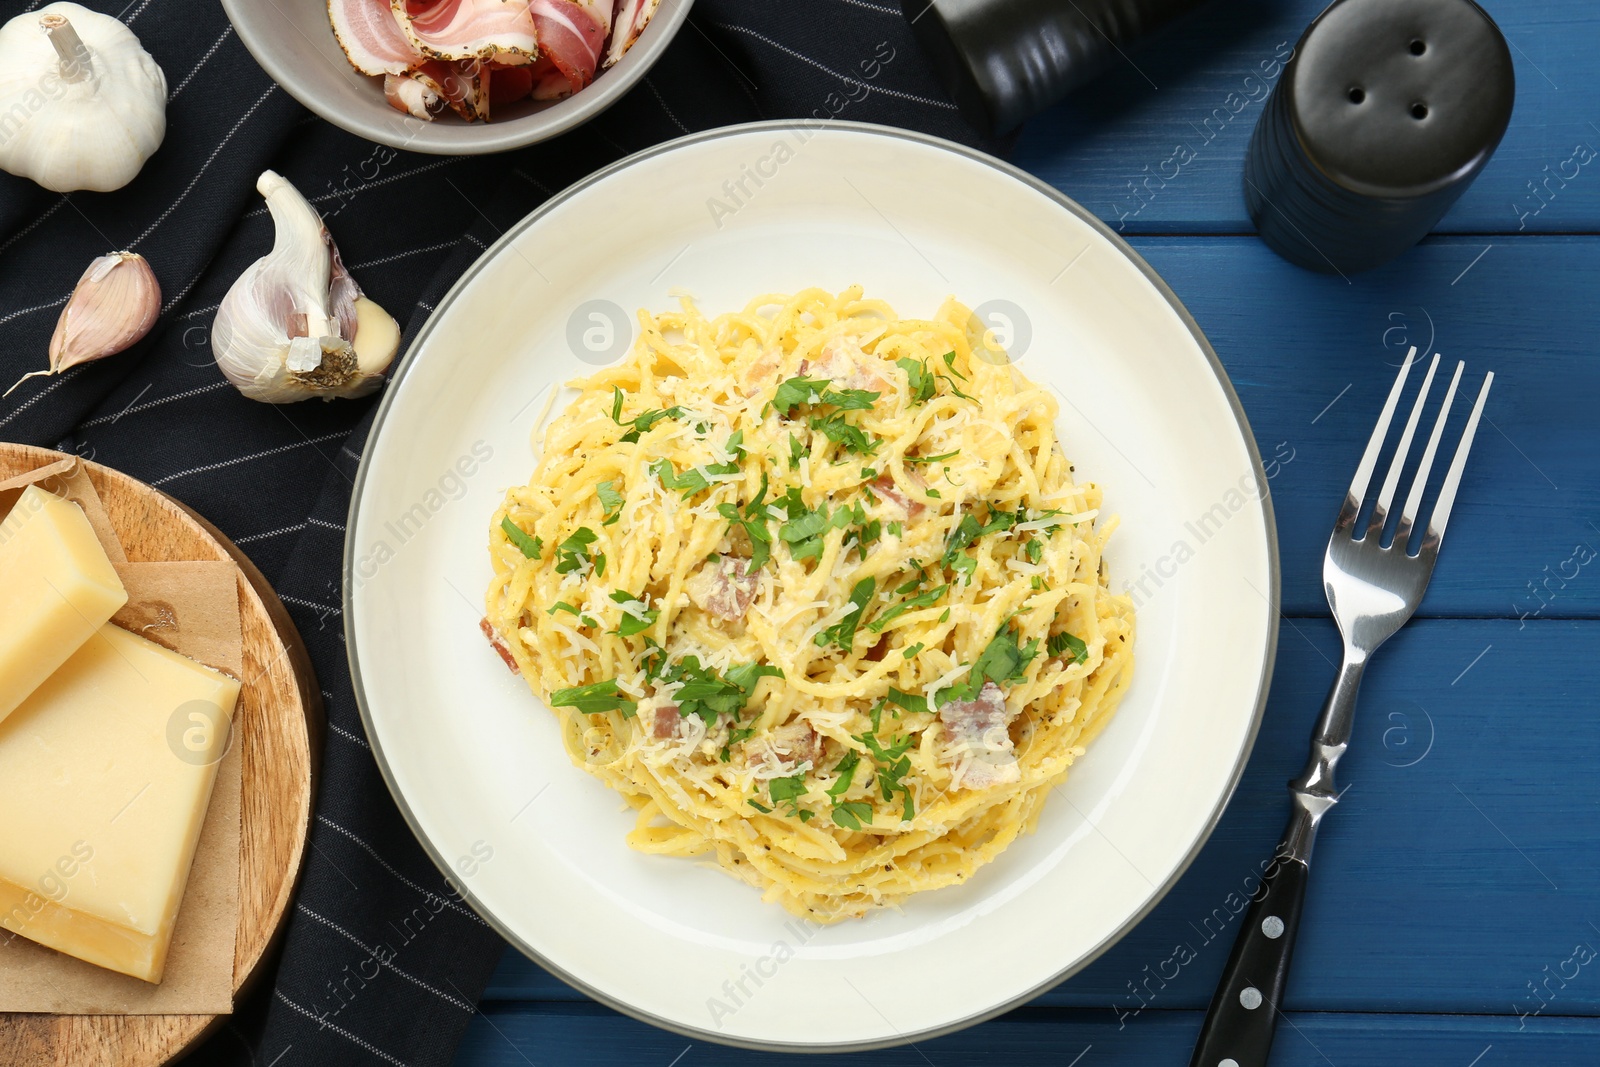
[
  {"x": 531, "y": 547},
  {"x": 910, "y": 651},
  {"x": 562, "y": 605},
  {"x": 594, "y": 699},
  {"x": 632, "y": 623},
  {"x": 753, "y": 521},
  {"x": 922, "y": 600},
  {"x": 803, "y": 532},
  {"x": 796, "y": 450},
  {"x": 573, "y": 553},
  {"x": 909, "y": 701},
  {"x": 789, "y": 791},
  {"x": 843, "y": 632},
  {"x": 642, "y": 423},
  {"x": 845, "y": 434},
  {"x": 704, "y": 692},
  {"x": 930, "y": 459},
  {"x": 797, "y": 391},
  {"x": 893, "y": 765},
  {"x": 852, "y": 814},
  {"x": 1003, "y": 661},
  {"x": 920, "y": 379},
  {"x": 1066, "y": 643},
  {"x": 1034, "y": 550},
  {"x": 610, "y": 500},
  {"x": 846, "y": 771}
]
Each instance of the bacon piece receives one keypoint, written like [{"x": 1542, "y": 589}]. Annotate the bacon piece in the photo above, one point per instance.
[
  {"x": 665, "y": 720},
  {"x": 978, "y": 743},
  {"x": 632, "y": 17},
  {"x": 788, "y": 746},
  {"x": 548, "y": 81},
  {"x": 371, "y": 36},
  {"x": 571, "y": 35},
  {"x": 460, "y": 84},
  {"x": 846, "y": 366},
  {"x": 761, "y": 373},
  {"x": 498, "y": 643},
  {"x": 508, "y": 84},
  {"x": 407, "y": 94},
  {"x": 468, "y": 29},
  {"x": 724, "y": 587},
  {"x": 884, "y": 485},
  {"x": 879, "y": 650}
]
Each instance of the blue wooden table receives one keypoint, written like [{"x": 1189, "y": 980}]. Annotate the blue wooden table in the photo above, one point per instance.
[{"x": 1454, "y": 915}]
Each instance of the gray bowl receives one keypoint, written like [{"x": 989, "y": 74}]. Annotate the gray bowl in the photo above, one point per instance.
[{"x": 294, "y": 43}]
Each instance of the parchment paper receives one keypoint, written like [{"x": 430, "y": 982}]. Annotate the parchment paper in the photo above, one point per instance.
[{"x": 192, "y": 608}]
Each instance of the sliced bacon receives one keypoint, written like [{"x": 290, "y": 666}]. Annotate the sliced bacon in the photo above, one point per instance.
[
  {"x": 372, "y": 37},
  {"x": 724, "y": 587},
  {"x": 508, "y": 84},
  {"x": 459, "y": 83},
  {"x": 468, "y": 29},
  {"x": 407, "y": 94},
  {"x": 498, "y": 643},
  {"x": 884, "y": 485},
  {"x": 632, "y": 17},
  {"x": 548, "y": 81},
  {"x": 978, "y": 742},
  {"x": 571, "y": 35}
]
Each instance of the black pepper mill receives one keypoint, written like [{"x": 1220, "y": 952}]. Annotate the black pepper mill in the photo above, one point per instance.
[
  {"x": 1381, "y": 120},
  {"x": 1003, "y": 60}
]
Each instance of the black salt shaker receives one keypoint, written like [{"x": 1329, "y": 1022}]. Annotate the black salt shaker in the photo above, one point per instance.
[
  {"x": 1003, "y": 60},
  {"x": 1385, "y": 114}
]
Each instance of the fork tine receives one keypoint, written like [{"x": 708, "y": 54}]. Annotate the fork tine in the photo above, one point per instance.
[
  {"x": 1408, "y": 516},
  {"x": 1380, "y": 511},
  {"x": 1369, "y": 458},
  {"x": 1452, "y": 480}
]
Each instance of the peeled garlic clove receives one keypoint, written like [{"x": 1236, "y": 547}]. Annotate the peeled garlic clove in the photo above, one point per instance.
[
  {"x": 113, "y": 305},
  {"x": 377, "y": 337},
  {"x": 291, "y": 327}
]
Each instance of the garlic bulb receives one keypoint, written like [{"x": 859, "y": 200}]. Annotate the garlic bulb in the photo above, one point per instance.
[
  {"x": 113, "y": 305},
  {"x": 82, "y": 105},
  {"x": 295, "y": 324}
]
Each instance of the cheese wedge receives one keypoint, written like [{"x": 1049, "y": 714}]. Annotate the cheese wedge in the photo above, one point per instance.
[
  {"x": 56, "y": 588},
  {"x": 105, "y": 775}
]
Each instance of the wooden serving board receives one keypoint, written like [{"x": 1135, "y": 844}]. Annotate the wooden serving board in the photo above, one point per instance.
[{"x": 280, "y": 722}]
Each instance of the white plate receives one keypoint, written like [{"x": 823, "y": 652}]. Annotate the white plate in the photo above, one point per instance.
[{"x": 474, "y": 759}]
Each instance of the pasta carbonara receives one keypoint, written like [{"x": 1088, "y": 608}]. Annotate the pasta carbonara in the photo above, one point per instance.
[{"x": 813, "y": 588}]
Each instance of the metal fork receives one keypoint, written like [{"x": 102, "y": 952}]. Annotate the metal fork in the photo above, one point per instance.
[{"x": 1372, "y": 588}]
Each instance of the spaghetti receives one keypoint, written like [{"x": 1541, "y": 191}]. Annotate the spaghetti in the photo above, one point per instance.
[{"x": 813, "y": 588}]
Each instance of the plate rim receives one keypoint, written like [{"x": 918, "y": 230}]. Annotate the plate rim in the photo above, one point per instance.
[{"x": 1060, "y": 199}]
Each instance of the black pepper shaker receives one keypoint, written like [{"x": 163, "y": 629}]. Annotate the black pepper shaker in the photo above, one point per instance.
[
  {"x": 1386, "y": 113},
  {"x": 1003, "y": 60}
]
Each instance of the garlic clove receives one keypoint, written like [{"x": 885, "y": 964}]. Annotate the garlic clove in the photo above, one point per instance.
[
  {"x": 377, "y": 337},
  {"x": 112, "y": 307},
  {"x": 285, "y": 330}
]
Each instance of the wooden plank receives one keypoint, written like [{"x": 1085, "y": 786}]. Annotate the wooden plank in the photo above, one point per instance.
[
  {"x": 1200, "y": 85},
  {"x": 1313, "y": 356},
  {"x": 1458, "y": 869},
  {"x": 508, "y": 1035}
]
